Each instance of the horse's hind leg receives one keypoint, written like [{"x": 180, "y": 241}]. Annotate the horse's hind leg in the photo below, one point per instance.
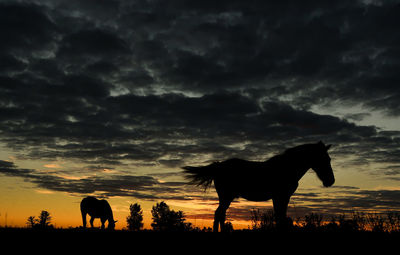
[{"x": 220, "y": 214}]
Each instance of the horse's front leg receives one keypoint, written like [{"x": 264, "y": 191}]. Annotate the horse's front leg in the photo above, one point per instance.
[
  {"x": 83, "y": 219},
  {"x": 103, "y": 221},
  {"x": 280, "y": 210},
  {"x": 91, "y": 221}
]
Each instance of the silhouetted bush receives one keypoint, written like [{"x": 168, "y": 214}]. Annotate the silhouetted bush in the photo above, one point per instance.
[
  {"x": 393, "y": 222},
  {"x": 267, "y": 221},
  {"x": 263, "y": 220},
  {"x": 312, "y": 221},
  {"x": 228, "y": 226}
]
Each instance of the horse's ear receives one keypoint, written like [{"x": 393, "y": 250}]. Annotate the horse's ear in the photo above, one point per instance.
[{"x": 328, "y": 146}]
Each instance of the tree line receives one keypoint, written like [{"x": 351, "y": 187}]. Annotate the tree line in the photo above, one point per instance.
[
  {"x": 163, "y": 219},
  {"x": 42, "y": 222},
  {"x": 166, "y": 219}
]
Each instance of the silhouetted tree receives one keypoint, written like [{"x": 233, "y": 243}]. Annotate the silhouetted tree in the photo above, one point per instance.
[
  {"x": 165, "y": 219},
  {"x": 43, "y": 222},
  {"x": 135, "y": 218},
  {"x": 45, "y": 219}
]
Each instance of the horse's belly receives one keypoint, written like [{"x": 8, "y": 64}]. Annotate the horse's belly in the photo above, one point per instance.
[
  {"x": 95, "y": 214},
  {"x": 256, "y": 196}
]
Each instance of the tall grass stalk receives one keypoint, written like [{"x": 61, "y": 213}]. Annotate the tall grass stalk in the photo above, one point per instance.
[{"x": 355, "y": 221}]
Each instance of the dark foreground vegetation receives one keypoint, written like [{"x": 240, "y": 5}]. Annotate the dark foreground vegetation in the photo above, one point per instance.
[
  {"x": 243, "y": 241},
  {"x": 353, "y": 232},
  {"x": 344, "y": 223}
]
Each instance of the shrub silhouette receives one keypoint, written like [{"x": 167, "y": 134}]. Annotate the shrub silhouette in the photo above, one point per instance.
[
  {"x": 312, "y": 221},
  {"x": 165, "y": 219},
  {"x": 393, "y": 222},
  {"x": 135, "y": 218},
  {"x": 262, "y": 220}
]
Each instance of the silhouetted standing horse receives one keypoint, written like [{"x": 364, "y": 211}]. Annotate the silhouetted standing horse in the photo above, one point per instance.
[
  {"x": 276, "y": 178},
  {"x": 97, "y": 209}
]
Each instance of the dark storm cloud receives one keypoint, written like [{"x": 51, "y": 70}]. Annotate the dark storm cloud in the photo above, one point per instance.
[
  {"x": 166, "y": 82},
  {"x": 149, "y": 128},
  {"x": 91, "y": 43},
  {"x": 319, "y": 46},
  {"x": 34, "y": 31}
]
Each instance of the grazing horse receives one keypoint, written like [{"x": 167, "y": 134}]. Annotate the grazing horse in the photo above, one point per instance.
[
  {"x": 276, "y": 178},
  {"x": 97, "y": 209}
]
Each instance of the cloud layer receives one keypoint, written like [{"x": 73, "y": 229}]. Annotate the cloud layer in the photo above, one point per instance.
[
  {"x": 168, "y": 83},
  {"x": 135, "y": 186}
]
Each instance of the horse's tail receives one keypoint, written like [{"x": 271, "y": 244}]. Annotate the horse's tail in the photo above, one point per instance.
[{"x": 201, "y": 175}]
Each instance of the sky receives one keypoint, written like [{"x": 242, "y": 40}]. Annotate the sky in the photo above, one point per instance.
[{"x": 110, "y": 98}]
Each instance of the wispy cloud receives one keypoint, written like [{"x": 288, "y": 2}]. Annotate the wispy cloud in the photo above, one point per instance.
[{"x": 52, "y": 165}]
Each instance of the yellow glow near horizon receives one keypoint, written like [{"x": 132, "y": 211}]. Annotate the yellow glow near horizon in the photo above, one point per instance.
[{"x": 21, "y": 198}]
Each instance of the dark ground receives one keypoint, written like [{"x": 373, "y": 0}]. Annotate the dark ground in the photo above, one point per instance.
[{"x": 143, "y": 242}]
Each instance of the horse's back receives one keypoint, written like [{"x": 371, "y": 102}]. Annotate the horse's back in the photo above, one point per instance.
[
  {"x": 105, "y": 206},
  {"x": 253, "y": 180},
  {"x": 238, "y": 172},
  {"x": 94, "y": 207},
  {"x": 239, "y": 165},
  {"x": 88, "y": 202},
  {"x": 244, "y": 169}
]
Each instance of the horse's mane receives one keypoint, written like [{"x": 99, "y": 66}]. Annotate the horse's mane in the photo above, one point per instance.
[
  {"x": 297, "y": 149},
  {"x": 293, "y": 153}
]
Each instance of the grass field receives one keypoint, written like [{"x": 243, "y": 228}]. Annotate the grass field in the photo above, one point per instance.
[
  {"x": 239, "y": 241},
  {"x": 354, "y": 233}
]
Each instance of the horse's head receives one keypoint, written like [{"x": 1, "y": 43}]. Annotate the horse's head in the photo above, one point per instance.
[
  {"x": 322, "y": 164},
  {"x": 111, "y": 224}
]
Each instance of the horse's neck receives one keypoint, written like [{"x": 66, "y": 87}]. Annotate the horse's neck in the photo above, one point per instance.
[
  {"x": 110, "y": 217},
  {"x": 301, "y": 171},
  {"x": 298, "y": 164}
]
